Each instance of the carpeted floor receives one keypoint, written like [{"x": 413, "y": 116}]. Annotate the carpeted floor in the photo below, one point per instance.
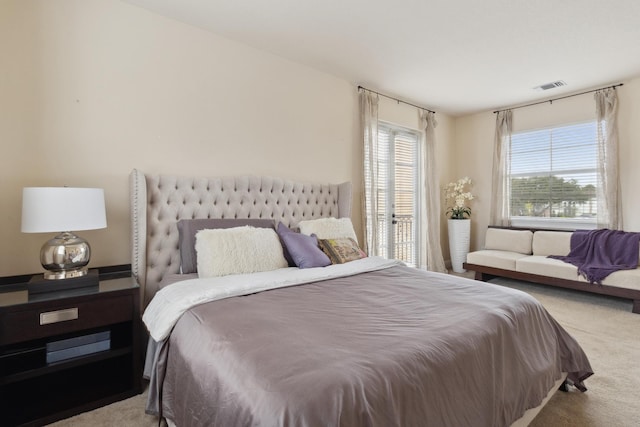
[
  {"x": 605, "y": 327},
  {"x": 610, "y": 335}
]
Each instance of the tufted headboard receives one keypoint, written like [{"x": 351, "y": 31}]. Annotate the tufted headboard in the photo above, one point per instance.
[{"x": 159, "y": 201}]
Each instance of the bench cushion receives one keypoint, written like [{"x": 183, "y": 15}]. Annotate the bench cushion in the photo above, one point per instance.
[
  {"x": 543, "y": 266},
  {"x": 497, "y": 259},
  {"x": 628, "y": 279},
  {"x": 551, "y": 243},
  {"x": 500, "y": 239}
]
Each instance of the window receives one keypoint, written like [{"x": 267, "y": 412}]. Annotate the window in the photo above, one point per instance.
[
  {"x": 553, "y": 177},
  {"x": 397, "y": 211}
]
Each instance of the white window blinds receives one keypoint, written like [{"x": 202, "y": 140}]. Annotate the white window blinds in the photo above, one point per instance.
[
  {"x": 397, "y": 195},
  {"x": 406, "y": 159},
  {"x": 553, "y": 177}
]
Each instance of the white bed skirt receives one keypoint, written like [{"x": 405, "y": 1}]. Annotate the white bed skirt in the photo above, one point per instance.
[{"x": 530, "y": 414}]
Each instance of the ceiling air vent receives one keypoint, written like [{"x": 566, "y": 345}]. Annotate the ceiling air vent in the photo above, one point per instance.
[{"x": 551, "y": 85}]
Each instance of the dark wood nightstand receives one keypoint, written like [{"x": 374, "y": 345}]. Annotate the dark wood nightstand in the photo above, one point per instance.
[{"x": 37, "y": 385}]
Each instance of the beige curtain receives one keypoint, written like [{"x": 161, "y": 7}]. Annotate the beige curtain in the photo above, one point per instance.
[
  {"x": 430, "y": 247},
  {"x": 501, "y": 170},
  {"x": 608, "y": 189},
  {"x": 369, "y": 123}
]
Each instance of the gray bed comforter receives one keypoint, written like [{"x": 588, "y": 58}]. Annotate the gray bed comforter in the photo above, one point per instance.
[{"x": 394, "y": 347}]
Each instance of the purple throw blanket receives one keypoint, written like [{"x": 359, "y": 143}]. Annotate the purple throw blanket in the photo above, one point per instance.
[{"x": 598, "y": 253}]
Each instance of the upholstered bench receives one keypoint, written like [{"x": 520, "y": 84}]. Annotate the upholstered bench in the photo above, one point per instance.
[{"x": 523, "y": 254}]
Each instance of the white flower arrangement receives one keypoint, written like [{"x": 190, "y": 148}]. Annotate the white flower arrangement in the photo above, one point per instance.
[{"x": 455, "y": 191}]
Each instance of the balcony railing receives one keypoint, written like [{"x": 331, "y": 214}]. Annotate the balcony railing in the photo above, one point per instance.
[{"x": 404, "y": 243}]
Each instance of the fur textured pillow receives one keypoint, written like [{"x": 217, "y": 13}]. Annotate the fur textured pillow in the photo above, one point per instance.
[
  {"x": 187, "y": 229},
  {"x": 328, "y": 228},
  {"x": 239, "y": 250}
]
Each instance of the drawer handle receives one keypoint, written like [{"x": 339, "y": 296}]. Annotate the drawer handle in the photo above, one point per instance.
[{"x": 58, "y": 316}]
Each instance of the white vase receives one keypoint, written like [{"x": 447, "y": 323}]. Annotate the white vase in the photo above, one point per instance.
[{"x": 459, "y": 239}]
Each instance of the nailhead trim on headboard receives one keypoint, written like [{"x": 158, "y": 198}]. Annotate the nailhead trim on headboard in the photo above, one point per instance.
[{"x": 168, "y": 199}]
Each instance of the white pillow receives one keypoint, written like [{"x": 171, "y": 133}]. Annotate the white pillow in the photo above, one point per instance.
[
  {"x": 238, "y": 250},
  {"x": 328, "y": 228}
]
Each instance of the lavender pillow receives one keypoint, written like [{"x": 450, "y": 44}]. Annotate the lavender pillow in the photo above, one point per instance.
[
  {"x": 187, "y": 229},
  {"x": 302, "y": 249}
]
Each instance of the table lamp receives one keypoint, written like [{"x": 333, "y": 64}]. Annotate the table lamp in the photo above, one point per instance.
[{"x": 60, "y": 210}]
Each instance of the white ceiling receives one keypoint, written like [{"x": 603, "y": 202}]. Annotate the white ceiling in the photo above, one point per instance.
[{"x": 452, "y": 56}]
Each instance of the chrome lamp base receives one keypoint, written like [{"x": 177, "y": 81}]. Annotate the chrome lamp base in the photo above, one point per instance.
[
  {"x": 65, "y": 256},
  {"x": 67, "y": 274}
]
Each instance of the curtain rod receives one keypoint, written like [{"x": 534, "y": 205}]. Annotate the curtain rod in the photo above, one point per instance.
[
  {"x": 550, "y": 101},
  {"x": 396, "y": 99}
]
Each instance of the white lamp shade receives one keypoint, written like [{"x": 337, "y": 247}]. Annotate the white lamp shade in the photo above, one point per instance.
[{"x": 57, "y": 209}]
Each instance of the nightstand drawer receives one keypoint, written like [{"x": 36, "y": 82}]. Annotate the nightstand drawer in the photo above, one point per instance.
[{"x": 54, "y": 319}]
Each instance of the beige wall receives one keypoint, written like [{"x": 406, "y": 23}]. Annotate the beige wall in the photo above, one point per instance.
[
  {"x": 91, "y": 89},
  {"x": 474, "y": 145}
]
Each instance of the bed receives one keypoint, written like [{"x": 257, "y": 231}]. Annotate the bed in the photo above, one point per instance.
[{"x": 369, "y": 342}]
